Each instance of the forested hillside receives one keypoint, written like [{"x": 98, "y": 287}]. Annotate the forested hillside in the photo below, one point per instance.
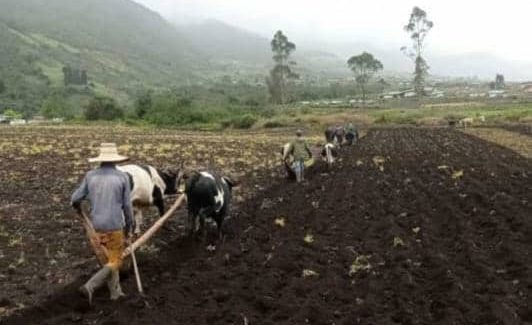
[
  {"x": 120, "y": 45},
  {"x": 65, "y": 52}
]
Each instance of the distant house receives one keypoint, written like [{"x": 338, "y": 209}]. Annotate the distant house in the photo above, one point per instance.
[
  {"x": 526, "y": 87},
  {"x": 398, "y": 94},
  {"x": 37, "y": 119},
  {"x": 428, "y": 90},
  {"x": 437, "y": 94},
  {"x": 496, "y": 93},
  {"x": 17, "y": 122}
]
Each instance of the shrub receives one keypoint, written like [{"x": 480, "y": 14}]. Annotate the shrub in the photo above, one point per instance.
[
  {"x": 143, "y": 104},
  {"x": 102, "y": 108},
  {"x": 55, "y": 106},
  {"x": 274, "y": 124},
  {"x": 267, "y": 112},
  {"x": 11, "y": 114},
  {"x": 245, "y": 121}
]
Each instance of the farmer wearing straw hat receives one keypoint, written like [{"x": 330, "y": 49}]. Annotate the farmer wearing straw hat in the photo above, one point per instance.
[{"x": 111, "y": 215}]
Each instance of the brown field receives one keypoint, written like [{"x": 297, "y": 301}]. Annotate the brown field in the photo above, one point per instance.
[{"x": 411, "y": 226}]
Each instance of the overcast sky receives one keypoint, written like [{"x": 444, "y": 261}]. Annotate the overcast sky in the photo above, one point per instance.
[{"x": 497, "y": 27}]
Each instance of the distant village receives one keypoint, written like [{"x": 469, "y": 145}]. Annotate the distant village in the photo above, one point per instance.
[
  {"x": 438, "y": 92},
  {"x": 37, "y": 119}
]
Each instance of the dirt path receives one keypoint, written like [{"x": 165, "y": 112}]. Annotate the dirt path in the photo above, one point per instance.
[{"x": 412, "y": 226}]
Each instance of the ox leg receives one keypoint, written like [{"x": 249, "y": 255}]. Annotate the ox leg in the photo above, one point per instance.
[
  {"x": 219, "y": 223},
  {"x": 191, "y": 223},
  {"x": 138, "y": 219},
  {"x": 203, "y": 232},
  {"x": 203, "y": 214},
  {"x": 158, "y": 200}
]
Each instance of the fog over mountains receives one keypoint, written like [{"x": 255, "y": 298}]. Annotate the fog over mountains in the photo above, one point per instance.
[
  {"x": 219, "y": 38},
  {"x": 470, "y": 38},
  {"x": 125, "y": 45}
]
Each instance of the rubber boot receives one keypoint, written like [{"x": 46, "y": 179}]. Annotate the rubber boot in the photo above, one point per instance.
[
  {"x": 95, "y": 282},
  {"x": 115, "y": 290}
]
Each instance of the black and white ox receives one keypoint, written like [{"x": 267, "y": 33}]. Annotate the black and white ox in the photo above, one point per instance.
[
  {"x": 149, "y": 187},
  {"x": 209, "y": 197},
  {"x": 329, "y": 153}
]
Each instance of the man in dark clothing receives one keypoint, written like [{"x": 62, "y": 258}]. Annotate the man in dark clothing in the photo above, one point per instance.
[
  {"x": 339, "y": 133},
  {"x": 330, "y": 133},
  {"x": 351, "y": 133},
  {"x": 301, "y": 152}
]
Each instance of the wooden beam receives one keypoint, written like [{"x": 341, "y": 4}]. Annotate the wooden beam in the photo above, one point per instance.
[{"x": 156, "y": 226}]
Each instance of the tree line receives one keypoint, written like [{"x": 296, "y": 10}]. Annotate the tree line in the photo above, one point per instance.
[{"x": 364, "y": 66}]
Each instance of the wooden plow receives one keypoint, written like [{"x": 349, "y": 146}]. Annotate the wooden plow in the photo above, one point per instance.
[{"x": 100, "y": 251}]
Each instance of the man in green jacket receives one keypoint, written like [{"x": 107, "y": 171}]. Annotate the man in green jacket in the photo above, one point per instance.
[
  {"x": 301, "y": 152},
  {"x": 352, "y": 133}
]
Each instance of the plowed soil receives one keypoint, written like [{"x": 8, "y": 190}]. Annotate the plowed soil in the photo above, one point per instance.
[{"x": 411, "y": 226}]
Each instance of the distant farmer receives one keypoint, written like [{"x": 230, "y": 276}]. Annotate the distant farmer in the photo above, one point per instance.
[
  {"x": 111, "y": 215},
  {"x": 301, "y": 152},
  {"x": 339, "y": 133},
  {"x": 351, "y": 133},
  {"x": 330, "y": 133}
]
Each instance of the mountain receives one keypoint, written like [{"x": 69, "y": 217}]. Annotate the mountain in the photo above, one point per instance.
[
  {"x": 481, "y": 65},
  {"x": 221, "y": 41},
  {"x": 247, "y": 52},
  {"x": 118, "y": 26},
  {"x": 118, "y": 47},
  {"x": 120, "y": 44}
]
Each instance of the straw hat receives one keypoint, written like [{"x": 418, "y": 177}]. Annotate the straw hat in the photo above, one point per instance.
[{"x": 108, "y": 153}]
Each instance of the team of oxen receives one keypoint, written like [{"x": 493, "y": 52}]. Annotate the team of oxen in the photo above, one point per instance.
[
  {"x": 335, "y": 137},
  {"x": 209, "y": 194}
]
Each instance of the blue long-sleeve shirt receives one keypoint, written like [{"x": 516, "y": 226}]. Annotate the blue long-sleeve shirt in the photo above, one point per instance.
[{"x": 108, "y": 191}]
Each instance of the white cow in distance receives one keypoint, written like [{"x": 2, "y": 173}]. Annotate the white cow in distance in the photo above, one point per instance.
[{"x": 470, "y": 121}]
